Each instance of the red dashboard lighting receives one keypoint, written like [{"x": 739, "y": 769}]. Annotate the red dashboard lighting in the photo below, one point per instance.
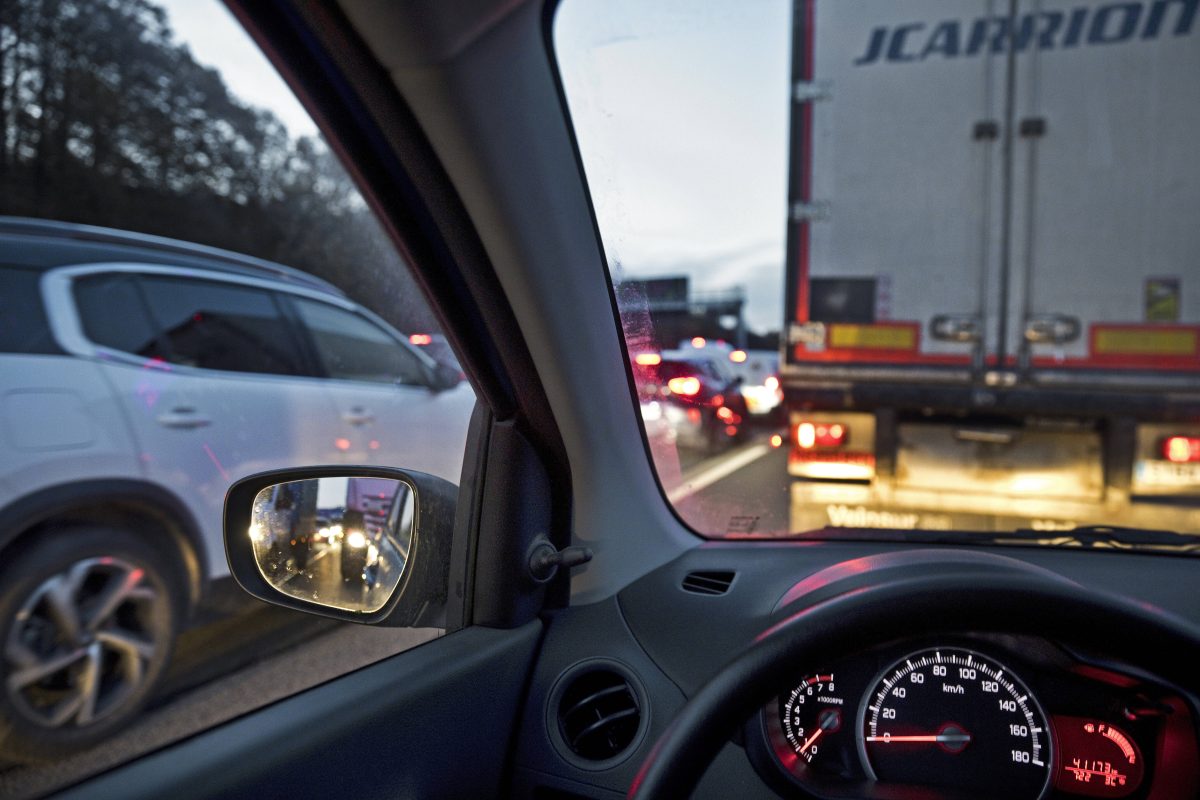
[
  {"x": 1096, "y": 759},
  {"x": 1181, "y": 449}
]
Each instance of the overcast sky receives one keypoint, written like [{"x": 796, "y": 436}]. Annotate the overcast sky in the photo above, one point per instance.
[{"x": 681, "y": 117}]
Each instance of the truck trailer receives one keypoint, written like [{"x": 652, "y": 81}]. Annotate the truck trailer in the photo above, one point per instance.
[{"x": 999, "y": 289}]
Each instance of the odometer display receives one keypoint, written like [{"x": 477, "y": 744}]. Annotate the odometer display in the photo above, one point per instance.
[{"x": 951, "y": 717}]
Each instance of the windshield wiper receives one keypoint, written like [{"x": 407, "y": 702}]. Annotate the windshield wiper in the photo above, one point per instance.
[
  {"x": 1109, "y": 536},
  {"x": 1100, "y": 537}
]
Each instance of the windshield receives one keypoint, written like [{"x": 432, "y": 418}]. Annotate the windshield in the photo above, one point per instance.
[{"x": 921, "y": 269}]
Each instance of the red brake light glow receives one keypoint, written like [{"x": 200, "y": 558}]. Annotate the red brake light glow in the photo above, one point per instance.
[
  {"x": 820, "y": 434},
  {"x": 1181, "y": 449},
  {"x": 698, "y": 342},
  {"x": 686, "y": 387},
  {"x": 420, "y": 339},
  {"x": 647, "y": 359}
]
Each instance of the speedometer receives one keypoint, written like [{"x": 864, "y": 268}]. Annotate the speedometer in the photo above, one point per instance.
[{"x": 954, "y": 718}]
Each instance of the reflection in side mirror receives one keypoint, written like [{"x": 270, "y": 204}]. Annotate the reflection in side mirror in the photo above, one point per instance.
[{"x": 341, "y": 542}]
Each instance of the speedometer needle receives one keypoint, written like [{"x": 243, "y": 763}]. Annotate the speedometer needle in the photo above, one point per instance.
[{"x": 940, "y": 737}]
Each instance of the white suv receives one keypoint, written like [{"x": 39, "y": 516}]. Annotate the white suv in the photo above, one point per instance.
[{"x": 139, "y": 377}]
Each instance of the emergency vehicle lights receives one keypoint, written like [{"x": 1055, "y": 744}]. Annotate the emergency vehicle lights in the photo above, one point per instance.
[
  {"x": 813, "y": 434},
  {"x": 1181, "y": 449}
]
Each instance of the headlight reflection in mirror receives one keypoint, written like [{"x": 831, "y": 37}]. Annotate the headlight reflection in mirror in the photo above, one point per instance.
[{"x": 341, "y": 542}]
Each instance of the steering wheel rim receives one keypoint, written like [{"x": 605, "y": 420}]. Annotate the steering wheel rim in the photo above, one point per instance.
[{"x": 976, "y": 595}]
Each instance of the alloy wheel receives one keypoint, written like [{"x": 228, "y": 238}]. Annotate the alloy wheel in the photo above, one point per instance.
[{"x": 82, "y": 643}]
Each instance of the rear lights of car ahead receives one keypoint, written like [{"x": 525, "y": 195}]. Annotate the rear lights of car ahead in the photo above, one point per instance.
[
  {"x": 1181, "y": 449},
  {"x": 647, "y": 359},
  {"x": 685, "y": 387},
  {"x": 420, "y": 339},
  {"x": 809, "y": 435}
]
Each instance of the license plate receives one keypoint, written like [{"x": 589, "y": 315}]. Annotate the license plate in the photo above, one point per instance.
[{"x": 1167, "y": 473}]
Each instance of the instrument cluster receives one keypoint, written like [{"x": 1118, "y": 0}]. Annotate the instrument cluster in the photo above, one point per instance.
[{"x": 984, "y": 716}]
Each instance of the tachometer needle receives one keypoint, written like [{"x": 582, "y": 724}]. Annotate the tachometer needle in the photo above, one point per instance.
[{"x": 808, "y": 742}]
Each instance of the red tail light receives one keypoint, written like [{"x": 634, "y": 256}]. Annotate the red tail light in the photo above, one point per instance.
[
  {"x": 685, "y": 387},
  {"x": 1181, "y": 449},
  {"x": 820, "y": 434},
  {"x": 420, "y": 339}
]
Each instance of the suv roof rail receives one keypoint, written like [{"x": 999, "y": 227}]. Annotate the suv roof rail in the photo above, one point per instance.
[{"x": 227, "y": 259}]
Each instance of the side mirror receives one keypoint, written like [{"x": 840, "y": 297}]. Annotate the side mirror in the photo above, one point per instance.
[
  {"x": 364, "y": 544},
  {"x": 445, "y": 377}
]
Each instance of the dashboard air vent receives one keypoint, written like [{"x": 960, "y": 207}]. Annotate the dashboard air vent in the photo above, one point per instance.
[
  {"x": 714, "y": 583},
  {"x": 599, "y": 715}
]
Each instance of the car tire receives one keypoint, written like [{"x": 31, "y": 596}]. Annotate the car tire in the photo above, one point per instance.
[{"x": 88, "y": 618}]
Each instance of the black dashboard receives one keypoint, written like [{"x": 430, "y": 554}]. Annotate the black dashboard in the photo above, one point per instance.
[{"x": 961, "y": 713}]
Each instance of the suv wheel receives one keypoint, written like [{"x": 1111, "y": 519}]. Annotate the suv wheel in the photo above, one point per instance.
[{"x": 87, "y": 621}]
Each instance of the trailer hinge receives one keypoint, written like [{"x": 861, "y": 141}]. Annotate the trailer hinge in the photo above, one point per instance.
[{"x": 812, "y": 211}]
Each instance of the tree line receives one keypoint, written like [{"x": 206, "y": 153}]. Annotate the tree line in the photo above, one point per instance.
[{"x": 106, "y": 119}]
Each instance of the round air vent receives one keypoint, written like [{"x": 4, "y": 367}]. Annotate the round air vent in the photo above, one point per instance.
[{"x": 599, "y": 713}]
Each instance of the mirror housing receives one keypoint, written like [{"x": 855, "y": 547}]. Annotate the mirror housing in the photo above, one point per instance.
[
  {"x": 419, "y": 598},
  {"x": 445, "y": 377}
]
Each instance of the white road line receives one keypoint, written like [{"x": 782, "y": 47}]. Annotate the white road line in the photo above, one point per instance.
[{"x": 707, "y": 477}]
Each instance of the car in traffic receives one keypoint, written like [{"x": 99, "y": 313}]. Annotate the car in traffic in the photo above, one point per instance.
[
  {"x": 138, "y": 375},
  {"x": 604, "y": 635},
  {"x": 702, "y": 405}
]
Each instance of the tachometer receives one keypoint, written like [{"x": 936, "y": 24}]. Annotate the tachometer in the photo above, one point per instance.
[
  {"x": 954, "y": 718},
  {"x": 812, "y": 716}
]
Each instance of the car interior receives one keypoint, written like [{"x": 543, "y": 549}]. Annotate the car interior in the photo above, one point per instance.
[{"x": 597, "y": 646}]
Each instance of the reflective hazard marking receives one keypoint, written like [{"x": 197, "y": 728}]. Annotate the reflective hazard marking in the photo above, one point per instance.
[
  {"x": 1144, "y": 341},
  {"x": 873, "y": 337}
]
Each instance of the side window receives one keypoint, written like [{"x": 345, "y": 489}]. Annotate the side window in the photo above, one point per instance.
[
  {"x": 154, "y": 133},
  {"x": 23, "y": 325},
  {"x": 114, "y": 315},
  {"x": 355, "y": 349},
  {"x": 219, "y": 326}
]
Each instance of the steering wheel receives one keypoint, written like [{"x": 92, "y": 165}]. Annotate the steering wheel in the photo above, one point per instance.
[{"x": 911, "y": 594}]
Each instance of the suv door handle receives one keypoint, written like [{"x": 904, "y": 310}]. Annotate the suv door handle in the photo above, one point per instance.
[
  {"x": 358, "y": 416},
  {"x": 183, "y": 418}
]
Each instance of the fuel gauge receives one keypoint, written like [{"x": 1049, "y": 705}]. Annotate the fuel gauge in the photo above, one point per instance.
[{"x": 1096, "y": 759}]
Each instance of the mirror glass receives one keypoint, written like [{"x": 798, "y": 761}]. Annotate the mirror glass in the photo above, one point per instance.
[{"x": 340, "y": 542}]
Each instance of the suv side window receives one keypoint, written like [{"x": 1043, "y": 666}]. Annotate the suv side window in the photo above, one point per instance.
[
  {"x": 354, "y": 349},
  {"x": 219, "y": 326},
  {"x": 113, "y": 314},
  {"x": 23, "y": 325}
]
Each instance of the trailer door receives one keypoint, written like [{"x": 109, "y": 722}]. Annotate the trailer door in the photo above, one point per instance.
[
  {"x": 892, "y": 240},
  {"x": 1106, "y": 238}
]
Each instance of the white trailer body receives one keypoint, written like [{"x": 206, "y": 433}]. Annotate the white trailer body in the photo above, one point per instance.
[{"x": 994, "y": 259}]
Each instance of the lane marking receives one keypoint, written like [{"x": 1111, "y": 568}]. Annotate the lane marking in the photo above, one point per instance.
[{"x": 707, "y": 477}]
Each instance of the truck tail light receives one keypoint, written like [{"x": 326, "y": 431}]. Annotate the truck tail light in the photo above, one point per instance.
[
  {"x": 1181, "y": 449},
  {"x": 820, "y": 434},
  {"x": 685, "y": 387}
]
